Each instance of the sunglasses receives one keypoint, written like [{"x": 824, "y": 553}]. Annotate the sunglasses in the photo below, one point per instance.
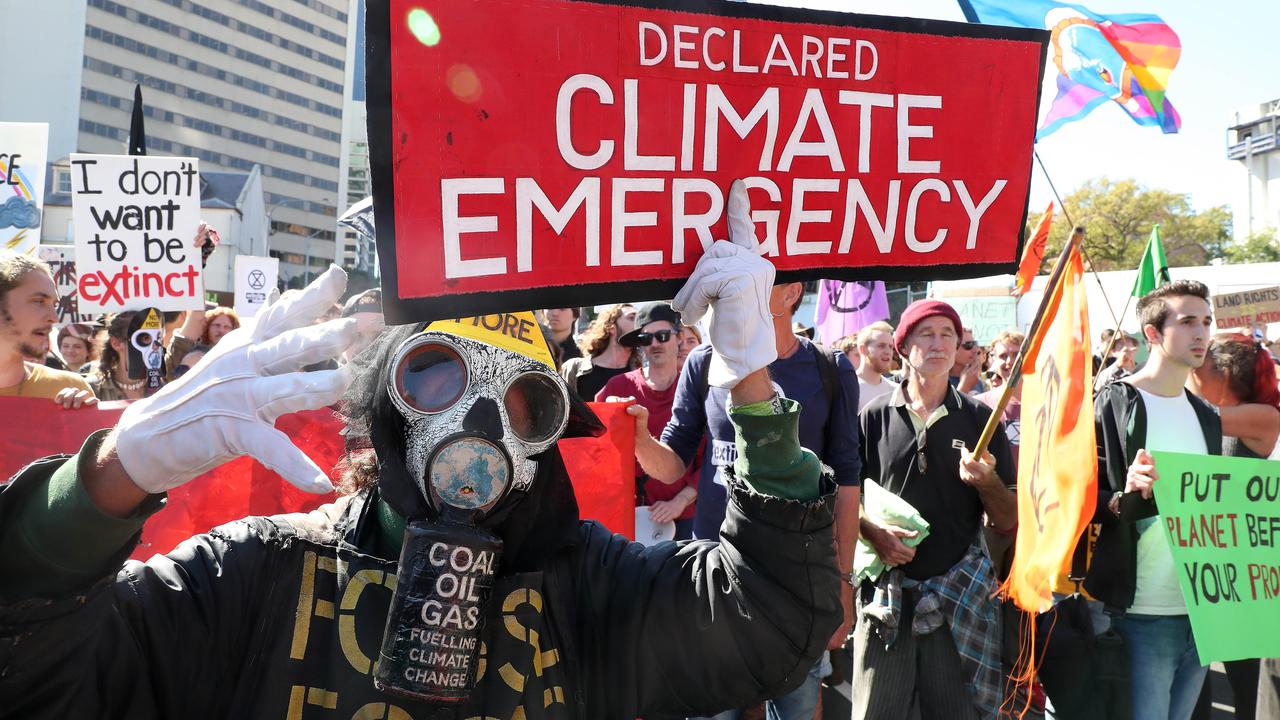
[
  {"x": 922, "y": 463},
  {"x": 969, "y": 344},
  {"x": 430, "y": 376},
  {"x": 646, "y": 339}
]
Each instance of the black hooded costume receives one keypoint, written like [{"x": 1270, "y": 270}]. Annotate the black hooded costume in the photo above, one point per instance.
[{"x": 281, "y": 617}]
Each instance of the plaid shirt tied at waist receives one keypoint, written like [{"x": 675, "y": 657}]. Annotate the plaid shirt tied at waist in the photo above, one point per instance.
[{"x": 964, "y": 599}]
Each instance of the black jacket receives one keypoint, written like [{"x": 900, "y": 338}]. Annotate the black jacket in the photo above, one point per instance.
[
  {"x": 281, "y": 617},
  {"x": 1121, "y": 420}
]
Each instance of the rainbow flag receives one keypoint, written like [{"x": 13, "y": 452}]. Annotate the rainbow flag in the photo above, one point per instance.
[{"x": 1126, "y": 59}]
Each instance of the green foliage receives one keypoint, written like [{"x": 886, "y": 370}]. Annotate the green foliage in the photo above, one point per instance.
[
  {"x": 1259, "y": 247},
  {"x": 1117, "y": 217}
]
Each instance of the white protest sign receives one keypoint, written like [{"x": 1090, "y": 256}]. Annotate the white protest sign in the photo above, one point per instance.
[
  {"x": 255, "y": 278},
  {"x": 62, "y": 261},
  {"x": 987, "y": 317},
  {"x": 23, "y": 147},
  {"x": 135, "y": 219}
]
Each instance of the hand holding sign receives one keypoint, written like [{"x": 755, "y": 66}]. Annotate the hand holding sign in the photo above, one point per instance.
[
  {"x": 227, "y": 405},
  {"x": 733, "y": 281}
]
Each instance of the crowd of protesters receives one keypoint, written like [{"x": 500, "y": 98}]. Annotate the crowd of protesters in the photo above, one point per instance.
[{"x": 901, "y": 407}]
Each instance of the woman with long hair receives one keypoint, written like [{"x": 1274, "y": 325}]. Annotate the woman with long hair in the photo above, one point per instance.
[
  {"x": 602, "y": 355},
  {"x": 110, "y": 379},
  {"x": 1239, "y": 376},
  {"x": 218, "y": 322}
]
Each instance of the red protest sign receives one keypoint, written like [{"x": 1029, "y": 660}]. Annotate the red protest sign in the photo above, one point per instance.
[{"x": 585, "y": 150}]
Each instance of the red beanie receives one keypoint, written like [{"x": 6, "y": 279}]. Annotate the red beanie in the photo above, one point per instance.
[{"x": 918, "y": 312}]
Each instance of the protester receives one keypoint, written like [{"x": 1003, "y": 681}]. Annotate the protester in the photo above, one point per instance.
[
  {"x": 653, "y": 387},
  {"x": 242, "y": 621},
  {"x": 75, "y": 343},
  {"x": 604, "y": 357},
  {"x": 874, "y": 347},
  {"x": 217, "y": 323},
  {"x": 1103, "y": 339},
  {"x": 826, "y": 387},
  {"x": 966, "y": 374},
  {"x": 28, "y": 312},
  {"x": 1004, "y": 354},
  {"x": 1132, "y": 571},
  {"x": 928, "y": 641},
  {"x": 561, "y": 321},
  {"x": 110, "y": 379},
  {"x": 690, "y": 338},
  {"x": 1123, "y": 360},
  {"x": 1239, "y": 377},
  {"x": 366, "y": 309}
]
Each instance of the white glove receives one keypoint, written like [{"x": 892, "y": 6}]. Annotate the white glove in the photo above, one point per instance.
[
  {"x": 227, "y": 405},
  {"x": 735, "y": 282}
]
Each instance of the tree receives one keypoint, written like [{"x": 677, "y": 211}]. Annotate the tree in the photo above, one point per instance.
[
  {"x": 1259, "y": 247},
  {"x": 1118, "y": 217}
]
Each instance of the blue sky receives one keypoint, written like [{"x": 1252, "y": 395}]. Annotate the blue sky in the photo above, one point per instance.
[{"x": 1228, "y": 62}]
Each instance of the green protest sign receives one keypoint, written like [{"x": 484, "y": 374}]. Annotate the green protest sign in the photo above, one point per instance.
[{"x": 1222, "y": 519}]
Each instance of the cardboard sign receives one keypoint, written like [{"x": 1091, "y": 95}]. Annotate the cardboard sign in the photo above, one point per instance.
[
  {"x": 586, "y": 151},
  {"x": 62, "y": 261},
  {"x": 1223, "y": 523},
  {"x": 987, "y": 317},
  {"x": 23, "y": 150},
  {"x": 1243, "y": 309},
  {"x": 135, "y": 218},
  {"x": 256, "y": 277}
]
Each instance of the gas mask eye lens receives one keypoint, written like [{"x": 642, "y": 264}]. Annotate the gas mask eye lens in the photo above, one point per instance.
[
  {"x": 536, "y": 407},
  {"x": 431, "y": 377}
]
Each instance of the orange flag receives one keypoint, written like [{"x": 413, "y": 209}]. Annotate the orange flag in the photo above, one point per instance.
[
  {"x": 1058, "y": 467},
  {"x": 1033, "y": 253}
]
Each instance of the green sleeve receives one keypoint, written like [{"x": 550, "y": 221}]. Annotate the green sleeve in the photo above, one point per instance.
[
  {"x": 770, "y": 458},
  {"x": 57, "y": 539}
]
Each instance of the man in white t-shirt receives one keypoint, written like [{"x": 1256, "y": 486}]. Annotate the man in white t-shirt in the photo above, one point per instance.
[
  {"x": 1132, "y": 571},
  {"x": 874, "y": 345}
]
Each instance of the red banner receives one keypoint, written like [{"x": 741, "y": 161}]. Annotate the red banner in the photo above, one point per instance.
[
  {"x": 602, "y": 469},
  {"x": 589, "y": 146}
]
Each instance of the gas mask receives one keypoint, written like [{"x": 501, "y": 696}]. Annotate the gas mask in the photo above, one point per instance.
[
  {"x": 479, "y": 399},
  {"x": 474, "y": 416}
]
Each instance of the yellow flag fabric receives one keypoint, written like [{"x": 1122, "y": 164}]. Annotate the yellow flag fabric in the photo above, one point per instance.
[
  {"x": 1058, "y": 464},
  {"x": 517, "y": 332}
]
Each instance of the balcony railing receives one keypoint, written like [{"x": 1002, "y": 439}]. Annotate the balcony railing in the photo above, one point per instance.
[{"x": 1260, "y": 144}]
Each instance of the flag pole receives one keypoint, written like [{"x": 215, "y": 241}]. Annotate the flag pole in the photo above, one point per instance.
[
  {"x": 1083, "y": 251},
  {"x": 1055, "y": 279}
]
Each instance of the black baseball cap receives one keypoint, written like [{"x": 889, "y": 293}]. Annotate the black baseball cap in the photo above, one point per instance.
[
  {"x": 369, "y": 301},
  {"x": 653, "y": 312}
]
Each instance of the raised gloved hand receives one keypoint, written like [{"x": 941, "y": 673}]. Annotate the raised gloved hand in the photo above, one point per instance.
[
  {"x": 734, "y": 281},
  {"x": 227, "y": 405}
]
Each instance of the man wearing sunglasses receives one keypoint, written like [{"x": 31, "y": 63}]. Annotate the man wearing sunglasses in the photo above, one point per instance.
[
  {"x": 653, "y": 389},
  {"x": 502, "y": 605},
  {"x": 966, "y": 373},
  {"x": 928, "y": 643}
]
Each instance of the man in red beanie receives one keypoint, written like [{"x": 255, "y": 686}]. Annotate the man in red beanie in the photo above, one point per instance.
[{"x": 928, "y": 643}]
